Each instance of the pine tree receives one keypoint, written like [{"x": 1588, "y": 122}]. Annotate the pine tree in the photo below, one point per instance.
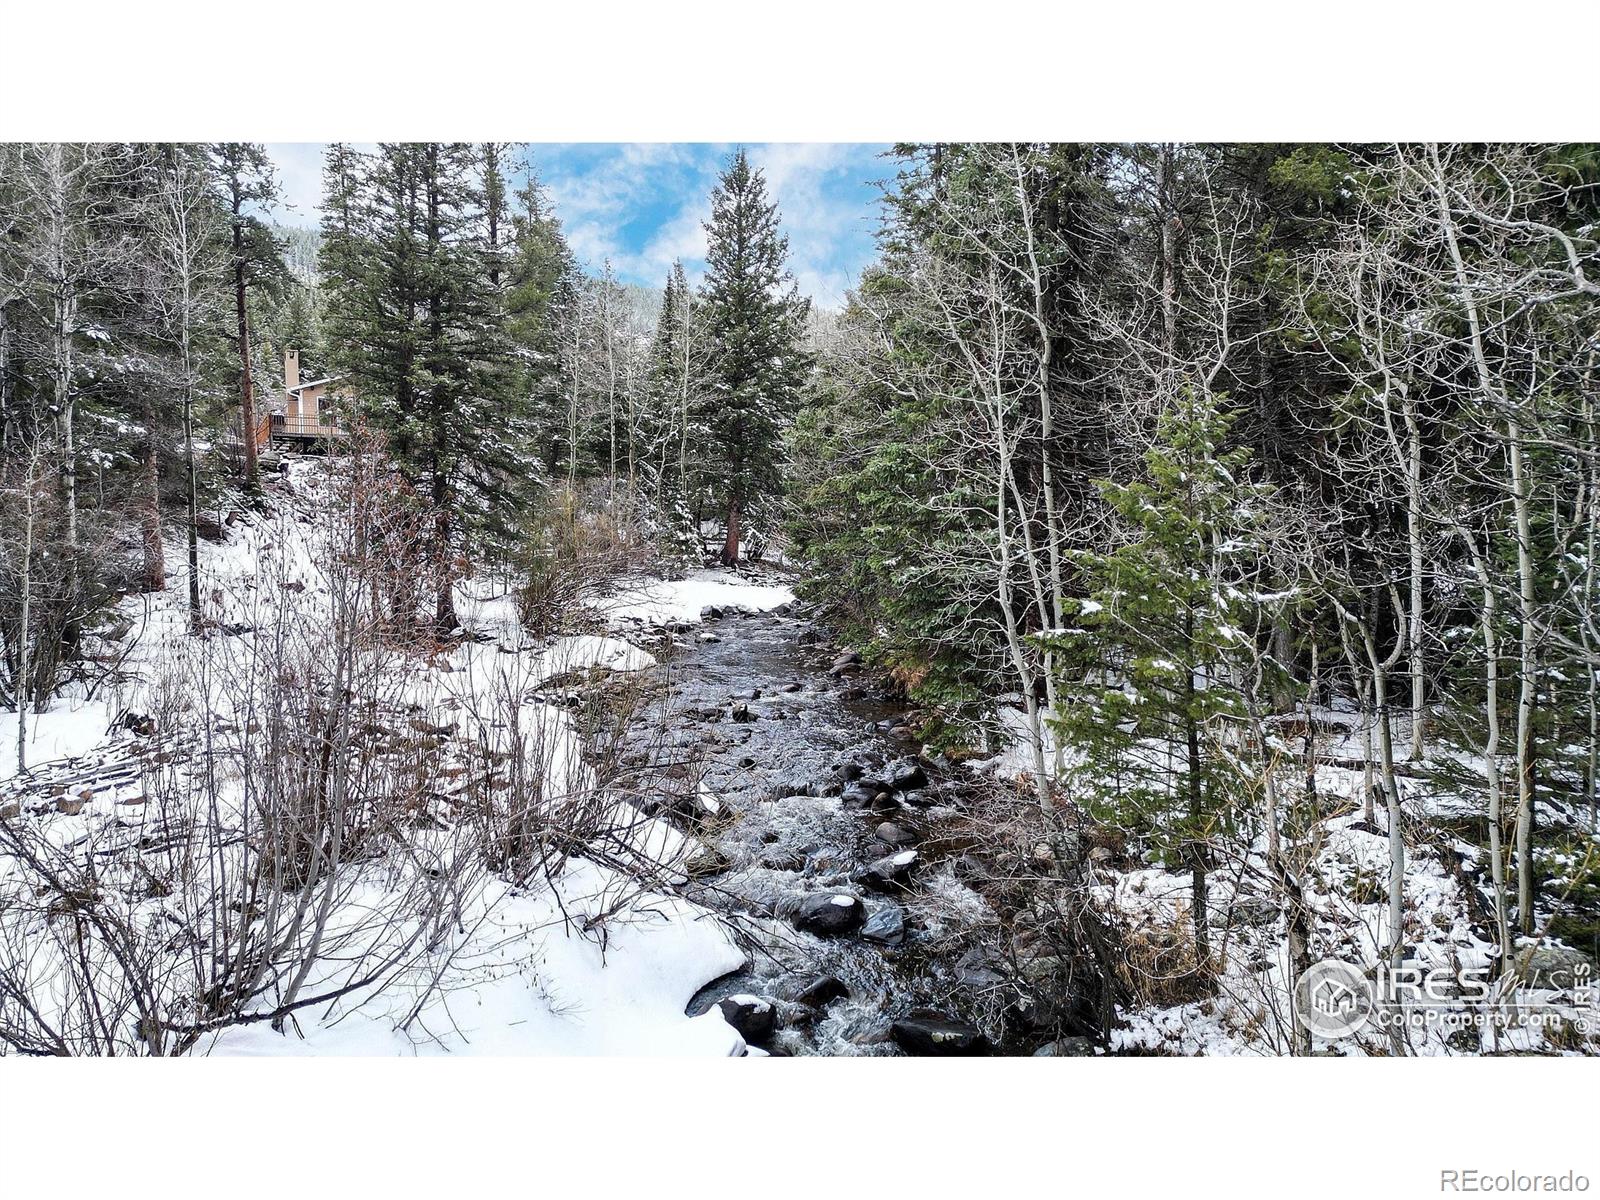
[
  {"x": 1153, "y": 672},
  {"x": 243, "y": 177},
  {"x": 541, "y": 304},
  {"x": 754, "y": 322},
  {"x": 420, "y": 333}
]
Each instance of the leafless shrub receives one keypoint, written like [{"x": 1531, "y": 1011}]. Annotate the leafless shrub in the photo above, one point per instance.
[{"x": 579, "y": 548}]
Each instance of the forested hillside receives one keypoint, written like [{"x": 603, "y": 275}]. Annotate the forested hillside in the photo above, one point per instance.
[
  {"x": 1204, "y": 536},
  {"x": 1228, "y": 464}
]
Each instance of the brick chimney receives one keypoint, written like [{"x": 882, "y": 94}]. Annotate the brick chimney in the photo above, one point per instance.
[{"x": 291, "y": 369}]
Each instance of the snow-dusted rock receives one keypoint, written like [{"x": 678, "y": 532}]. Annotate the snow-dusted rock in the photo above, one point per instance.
[
  {"x": 830, "y": 914},
  {"x": 754, "y": 1017}
]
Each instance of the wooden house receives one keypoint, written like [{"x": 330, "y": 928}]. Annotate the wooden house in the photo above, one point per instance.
[{"x": 306, "y": 415}]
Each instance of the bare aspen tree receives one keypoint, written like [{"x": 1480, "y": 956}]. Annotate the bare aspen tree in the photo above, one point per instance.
[
  {"x": 30, "y": 465},
  {"x": 187, "y": 269},
  {"x": 64, "y": 257},
  {"x": 1489, "y": 625}
]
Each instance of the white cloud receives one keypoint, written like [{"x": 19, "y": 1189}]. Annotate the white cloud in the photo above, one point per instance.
[{"x": 600, "y": 192}]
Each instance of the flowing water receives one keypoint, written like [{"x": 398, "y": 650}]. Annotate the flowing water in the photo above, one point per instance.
[{"x": 784, "y": 744}]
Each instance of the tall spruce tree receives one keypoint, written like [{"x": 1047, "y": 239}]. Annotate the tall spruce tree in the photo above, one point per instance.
[
  {"x": 541, "y": 294},
  {"x": 420, "y": 333},
  {"x": 244, "y": 180},
  {"x": 754, "y": 323}
]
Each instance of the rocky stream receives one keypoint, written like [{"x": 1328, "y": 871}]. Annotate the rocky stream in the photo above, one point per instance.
[{"x": 831, "y": 847}]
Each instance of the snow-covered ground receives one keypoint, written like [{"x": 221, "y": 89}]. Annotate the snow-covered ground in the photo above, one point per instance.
[
  {"x": 1344, "y": 866},
  {"x": 526, "y": 982},
  {"x": 660, "y": 602},
  {"x": 586, "y": 963}
]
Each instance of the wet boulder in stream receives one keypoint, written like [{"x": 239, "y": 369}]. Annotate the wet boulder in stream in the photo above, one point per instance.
[
  {"x": 892, "y": 873},
  {"x": 855, "y": 796},
  {"x": 927, "y": 1032},
  {"x": 907, "y": 777},
  {"x": 893, "y": 834},
  {"x": 754, "y": 1017},
  {"x": 830, "y": 914},
  {"x": 822, "y": 991},
  {"x": 887, "y": 926},
  {"x": 847, "y": 773}
]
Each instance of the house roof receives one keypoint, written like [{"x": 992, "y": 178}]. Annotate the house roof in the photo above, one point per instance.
[{"x": 310, "y": 383}]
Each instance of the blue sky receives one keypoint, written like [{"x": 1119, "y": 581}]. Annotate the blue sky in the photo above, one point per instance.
[{"x": 641, "y": 205}]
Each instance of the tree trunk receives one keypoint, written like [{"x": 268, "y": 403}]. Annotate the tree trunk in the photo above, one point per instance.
[
  {"x": 1397, "y": 845},
  {"x": 730, "y": 545},
  {"x": 1414, "y": 635},
  {"x": 155, "y": 566},
  {"x": 192, "y": 497},
  {"x": 247, "y": 400},
  {"x": 1296, "y": 923},
  {"x": 25, "y": 583},
  {"x": 1491, "y": 753},
  {"x": 1197, "y": 844},
  {"x": 1527, "y": 669},
  {"x": 1591, "y": 774},
  {"x": 65, "y": 403}
]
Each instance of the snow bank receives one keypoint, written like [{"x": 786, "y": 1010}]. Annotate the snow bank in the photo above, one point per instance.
[
  {"x": 660, "y": 601},
  {"x": 69, "y": 729},
  {"x": 586, "y": 652},
  {"x": 526, "y": 981},
  {"x": 529, "y": 971}
]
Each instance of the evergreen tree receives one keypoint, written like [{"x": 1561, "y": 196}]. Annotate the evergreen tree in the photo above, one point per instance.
[
  {"x": 754, "y": 323},
  {"x": 244, "y": 181},
  {"x": 1154, "y": 676},
  {"x": 420, "y": 334},
  {"x": 541, "y": 305}
]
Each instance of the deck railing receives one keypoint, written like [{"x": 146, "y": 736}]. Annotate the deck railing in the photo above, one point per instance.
[{"x": 284, "y": 426}]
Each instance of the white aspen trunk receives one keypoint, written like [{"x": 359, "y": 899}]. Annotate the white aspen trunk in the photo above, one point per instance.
[
  {"x": 25, "y": 580},
  {"x": 185, "y": 251},
  {"x": 1397, "y": 845},
  {"x": 1044, "y": 356},
  {"x": 62, "y": 327},
  {"x": 1415, "y": 631},
  {"x": 1591, "y": 512},
  {"x": 1289, "y": 891},
  {"x": 1364, "y": 700},
  {"x": 1527, "y": 669},
  {"x": 1015, "y": 646},
  {"x": 1527, "y": 662},
  {"x": 5, "y": 377},
  {"x": 1491, "y": 745}
]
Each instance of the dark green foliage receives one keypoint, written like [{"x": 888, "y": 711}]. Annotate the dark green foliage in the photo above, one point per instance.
[
  {"x": 542, "y": 283},
  {"x": 418, "y": 330},
  {"x": 1163, "y": 640},
  {"x": 754, "y": 322}
]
